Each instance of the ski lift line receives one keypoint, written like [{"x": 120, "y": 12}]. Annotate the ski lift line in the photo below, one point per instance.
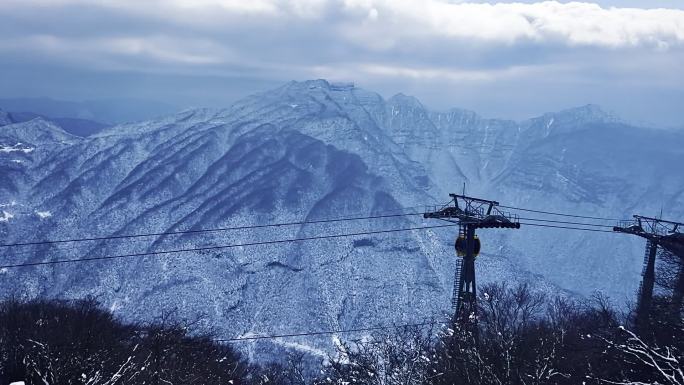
[
  {"x": 137, "y": 237},
  {"x": 565, "y": 222},
  {"x": 568, "y": 227},
  {"x": 218, "y": 229},
  {"x": 324, "y": 332},
  {"x": 247, "y": 227},
  {"x": 529, "y": 219},
  {"x": 303, "y": 334},
  {"x": 219, "y": 247},
  {"x": 529, "y": 224},
  {"x": 560, "y": 214},
  {"x": 9, "y": 252}
]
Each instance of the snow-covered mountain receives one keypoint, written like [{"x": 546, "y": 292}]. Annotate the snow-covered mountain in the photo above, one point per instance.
[
  {"x": 74, "y": 126},
  {"x": 312, "y": 150}
]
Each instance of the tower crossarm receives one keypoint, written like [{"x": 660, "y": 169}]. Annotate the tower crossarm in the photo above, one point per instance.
[
  {"x": 660, "y": 234},
  {"x": 479, "y": 213},
  {"x": 665, "y": 234}
]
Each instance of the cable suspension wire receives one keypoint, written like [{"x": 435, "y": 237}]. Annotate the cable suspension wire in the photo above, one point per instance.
[
  {"x": 80, "y": 247},
  {"x": 323, "y": 332},
  {"x": 218, "y": 229},
  {"x": 560, "y": 214},
  {"x": 567, "y": 227},
  {"x": 564, "y": 222},
  {"x": 218, "y": 247},
  {"x": 421, "y": 323},
  {"x": 138, "y": 237},
  {"x": 293, "y": 223}
]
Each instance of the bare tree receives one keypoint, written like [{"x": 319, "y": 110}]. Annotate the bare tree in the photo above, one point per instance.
[
  {"x": 647, "y": 363},
  {"x": 78, "y": 342},
  {"x": 397, "y": 358}
]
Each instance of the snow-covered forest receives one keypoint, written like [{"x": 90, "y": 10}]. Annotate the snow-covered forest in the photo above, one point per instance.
[{"x": 521, "y": 338}]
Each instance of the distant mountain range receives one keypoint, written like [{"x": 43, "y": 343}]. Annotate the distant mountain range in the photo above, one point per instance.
[
  {"x": 84, "y": 118},
  {"x": 309, "y": 150},
  {"x": 75, "y": 126}
]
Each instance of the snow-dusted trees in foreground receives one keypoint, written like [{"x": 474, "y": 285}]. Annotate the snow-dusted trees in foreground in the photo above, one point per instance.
[
  {"x": 665, "y": 363},
  {"x": 523, "y": 338},
  {"x": 49, "y": 342},
  {"x": 402, "y": 356}
]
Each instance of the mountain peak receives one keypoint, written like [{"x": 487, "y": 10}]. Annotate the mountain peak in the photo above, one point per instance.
[
  {"x": 587, "y": 113},
  {"x": 405, "y": 100},
  {"x": 36, "y": 131},
  {"x": 573, "y": 119},
  {"x": 308, "y": 84}
]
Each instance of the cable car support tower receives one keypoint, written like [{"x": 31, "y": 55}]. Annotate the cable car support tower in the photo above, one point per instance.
[
  {"x": 658, "y": 233},
  {"x": 470, "y": 214}
]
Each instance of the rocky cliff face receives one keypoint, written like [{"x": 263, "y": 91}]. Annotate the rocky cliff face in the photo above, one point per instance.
[{"x": 309, "y": 150}]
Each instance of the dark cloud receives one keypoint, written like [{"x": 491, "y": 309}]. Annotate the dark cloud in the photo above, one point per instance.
[{"x": 505, "y": 60}]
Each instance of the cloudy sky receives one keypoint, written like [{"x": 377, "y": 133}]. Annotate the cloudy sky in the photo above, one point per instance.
[{"x": 501, "y": 59}]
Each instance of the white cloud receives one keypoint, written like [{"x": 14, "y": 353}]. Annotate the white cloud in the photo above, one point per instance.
[
  {"x": 574, "y": 23},
  {"x": 403, "y": 45},
  {"x": 373, "y": 14},
  {"x": 407, "y": 34},
  {"x": 455, "y": 75},
  {"x": 157, "y": 48}
]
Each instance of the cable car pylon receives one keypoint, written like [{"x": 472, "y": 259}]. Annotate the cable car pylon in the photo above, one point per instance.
[
  {"x": 470, "y": 213},
  {"x": 658, "y": 233}
]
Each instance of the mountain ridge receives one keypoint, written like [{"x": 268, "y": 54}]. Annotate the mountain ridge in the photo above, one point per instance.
[{"x": 309, "y": 150}]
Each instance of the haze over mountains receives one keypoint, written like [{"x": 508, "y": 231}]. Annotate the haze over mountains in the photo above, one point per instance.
[
  {"x": 83, "y": 118},
  {"x": 314, "y": 150}
]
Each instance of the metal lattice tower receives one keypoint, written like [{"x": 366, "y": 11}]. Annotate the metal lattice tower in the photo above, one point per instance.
[
  {"x": 658, "y": 233},
  {"x": 471, "y": 214}
]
